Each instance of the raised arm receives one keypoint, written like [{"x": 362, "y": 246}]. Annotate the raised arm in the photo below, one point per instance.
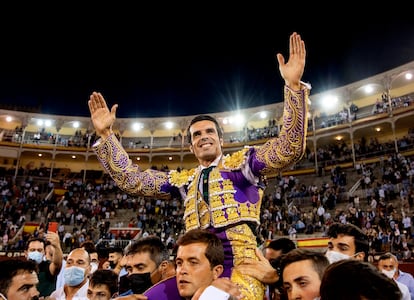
[
  {"x": 292, "y": 70},
  {"x": 102, "y": 118},
  {"x": 289, "y": 147},
  {"x": 113, "y": 157},
  {"x": 56, "y": 263}
]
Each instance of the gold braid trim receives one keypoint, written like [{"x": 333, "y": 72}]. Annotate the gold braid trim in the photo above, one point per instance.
[
  {"x": 235, "y": 160},
  {"x": 243, "y": 243},
  {"x": 181, "y": 178},
  {"x": 289, "y": 147},
  {"x": 128, "y": 176}
]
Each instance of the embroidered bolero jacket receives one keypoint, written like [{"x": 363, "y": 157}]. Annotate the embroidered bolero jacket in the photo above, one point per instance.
[{"x": 235, "y": 194}]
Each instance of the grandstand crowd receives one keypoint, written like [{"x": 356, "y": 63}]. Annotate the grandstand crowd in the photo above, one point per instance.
[
  {"x": 381, "y": 206},
  {"x": 376, "y": 196}
]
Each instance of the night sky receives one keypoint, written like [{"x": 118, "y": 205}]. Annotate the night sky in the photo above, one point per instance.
[{"x": 203, "y": 60}]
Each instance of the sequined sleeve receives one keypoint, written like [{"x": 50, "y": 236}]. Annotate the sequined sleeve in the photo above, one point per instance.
[
  {"x": 128, "y": 176},
  {"x": 281, "y": 152}
]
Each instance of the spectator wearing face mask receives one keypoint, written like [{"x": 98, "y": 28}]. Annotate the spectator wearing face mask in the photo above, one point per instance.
[
  {"x": 89, "y": 246},
  {"x": 147, "y": 261},
  {"x": 115, "y": 256},
  {"x": 388, "y": 264},
  {"x": 346, "y": 241},
  {"x": 48, "y": 270},
  {"x": 76, "y": 277}
]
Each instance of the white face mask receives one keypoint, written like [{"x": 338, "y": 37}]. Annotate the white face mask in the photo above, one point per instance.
[
  {"x": 334, "y": 256},
  {"x": 390, "y": 274},
  {"x": 94, "y": 267}
]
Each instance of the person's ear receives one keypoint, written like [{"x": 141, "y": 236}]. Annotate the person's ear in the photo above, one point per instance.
[
  {"x": 360, "y": 256},
  {"x": 217, "y": 271},
  {"x": 221, "y": 142},
  {"x": 163, "y": 266},
  {"x": 191, "y": 149},
  {"x": 167, "y": 269}
]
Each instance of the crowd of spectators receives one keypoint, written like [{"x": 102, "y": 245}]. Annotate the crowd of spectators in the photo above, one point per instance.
[{"x": 381, "y": 206}]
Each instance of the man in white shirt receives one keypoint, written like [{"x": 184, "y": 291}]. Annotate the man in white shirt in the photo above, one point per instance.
[
  {"x": 76, "y": 273},
  {"x": 386, "y": 266}
]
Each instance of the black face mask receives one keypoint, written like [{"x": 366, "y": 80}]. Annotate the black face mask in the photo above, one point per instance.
[
  {"x": 139, "y": 283},
  {"x": 112, "y": 264},
  {"x": 124, "y": 284}
]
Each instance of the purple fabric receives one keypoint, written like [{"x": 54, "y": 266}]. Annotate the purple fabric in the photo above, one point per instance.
[
  {"x": 228, "y": 251},
  {"x": 255, "y": 165},
  {"x": 245, "y": 191},
  {"x": 164, "y": 290}
]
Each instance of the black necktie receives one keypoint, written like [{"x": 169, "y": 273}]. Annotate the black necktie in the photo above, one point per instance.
[{"x": 205, "y": 172}]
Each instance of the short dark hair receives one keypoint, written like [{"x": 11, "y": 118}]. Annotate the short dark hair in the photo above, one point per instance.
[
  {"x": 204, "y": 118},
  {"x": 89, "y": 246},
  {"x": 319, "y": 261},
  {"x": 360, "y": 238},
  {"x": 105, "y": 277},
  {"x": 151, "y": 244},
  {"x": 353, "y": 279},
  {"x": 388, "y": 255},
  {"x": 119, "y": 250},
  {"x": 214, "y": 249},
  {"x": 12, "y": 267},
  {"x": 282, "y": 244},
  {"x": 36, "y": 239}
]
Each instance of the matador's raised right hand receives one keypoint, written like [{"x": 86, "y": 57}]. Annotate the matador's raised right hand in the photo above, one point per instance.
[{"x": 102, "y": 118}]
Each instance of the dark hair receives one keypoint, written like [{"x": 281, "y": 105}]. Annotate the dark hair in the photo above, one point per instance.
[
  {"x": 36, "y": 239},
  {"x": 116, "y": 250},
  {"x": 105, "y": 277},
  {"x": 283, "y": 244},
  {"x": 204, "y": 118},
  {"x": 89, "y": 246},
  {"x": 214, "y": 251},
  {"x": 360, "y": 238},
  {"x": 12, "y": 267},
  {"x": 319, "y": 261},
  {"x": 352, "y": 279},
  {"x": 151, "y": 244},
  {"x": 388, "y": 255}
]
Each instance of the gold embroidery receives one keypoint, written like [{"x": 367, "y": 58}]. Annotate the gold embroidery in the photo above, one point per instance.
[
  {"x": 232, "y": 213},
  {"x": 243, "y": 245},
  {"x": 289, "y": 147},
  {"x": 181, "y": 178},
  {"x": 223, "y": 210},
  {"x": 128, "y": 176},
  {"x": 235, "y": 160}
]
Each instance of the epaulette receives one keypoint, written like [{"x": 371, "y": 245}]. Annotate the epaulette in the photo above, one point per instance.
[
  {"x": 235, "y": 160},
  {"x": 181, "y": 178}
]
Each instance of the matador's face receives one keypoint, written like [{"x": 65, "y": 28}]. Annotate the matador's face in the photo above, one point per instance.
[{"x": 205, "y": 142}]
